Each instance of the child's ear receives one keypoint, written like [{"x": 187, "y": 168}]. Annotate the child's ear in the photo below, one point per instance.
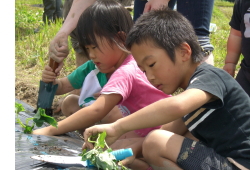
[
  {"x": 185, "y": 51},
  {"x": 122, "y": 36}
]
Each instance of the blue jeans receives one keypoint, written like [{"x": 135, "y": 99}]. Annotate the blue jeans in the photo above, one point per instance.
[{"x": 198, "y": 12}]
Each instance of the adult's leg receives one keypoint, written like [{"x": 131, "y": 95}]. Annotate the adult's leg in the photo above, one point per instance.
[
  {"x": 59, "y": 12},
  {"x": 172, "y": 3},
  {"x": 199, "y": 13},
  {"x": 49, "y": 10},
  {"x": 138, "y": 8}
]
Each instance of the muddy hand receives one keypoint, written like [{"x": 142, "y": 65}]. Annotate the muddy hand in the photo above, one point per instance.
[{"x": 58, "y": 49}]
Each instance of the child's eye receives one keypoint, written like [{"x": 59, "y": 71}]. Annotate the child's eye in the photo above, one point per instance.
[
  {"x": 93, "y": 47},
  {"x": 151, "y": 65}
]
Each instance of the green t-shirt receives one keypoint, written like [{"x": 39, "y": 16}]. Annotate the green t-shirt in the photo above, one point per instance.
[{"x": 89, "y": 79}]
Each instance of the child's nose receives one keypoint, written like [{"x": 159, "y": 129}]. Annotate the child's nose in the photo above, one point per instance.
[
  {"x": 91, "y": 55},
  {"x": 150, "y": 76}
]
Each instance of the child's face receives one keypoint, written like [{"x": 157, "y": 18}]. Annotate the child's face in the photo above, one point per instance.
[
  {"x": 159, "y": 68},
  {"x": 106, "y": 58}
]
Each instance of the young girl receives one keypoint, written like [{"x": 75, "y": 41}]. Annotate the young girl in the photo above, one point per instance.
[{"x": 102, "y": 29}]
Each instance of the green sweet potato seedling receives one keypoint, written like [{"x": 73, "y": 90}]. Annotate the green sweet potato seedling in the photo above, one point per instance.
[
  {"x": 100, "y": 158},
  {"x": 39, "y": 118}
]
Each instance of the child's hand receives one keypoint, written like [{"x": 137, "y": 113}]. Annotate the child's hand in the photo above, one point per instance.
[
  {"x": 112, "y": 134},
  {"x": 230, "y": 68},
  {"x": 42, "y": 131},
  {"x": 48, "y": 75}
]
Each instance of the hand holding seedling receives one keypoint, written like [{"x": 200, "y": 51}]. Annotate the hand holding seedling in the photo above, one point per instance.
[
  {"x": 99, "y": 157},
  {"x": 112, "y": 134},
  {"x": 58, "y": 49}
]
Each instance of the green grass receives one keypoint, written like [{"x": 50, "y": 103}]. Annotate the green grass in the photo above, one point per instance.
[{"x": 32, "y": 48}]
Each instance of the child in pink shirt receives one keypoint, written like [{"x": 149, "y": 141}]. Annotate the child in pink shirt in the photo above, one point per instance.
[{"x": 136, "y": 91}]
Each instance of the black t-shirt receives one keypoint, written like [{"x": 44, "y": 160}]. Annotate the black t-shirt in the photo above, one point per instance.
[
  {"x": 223, "y": 124},
  {"x": 241, "y": 21}
]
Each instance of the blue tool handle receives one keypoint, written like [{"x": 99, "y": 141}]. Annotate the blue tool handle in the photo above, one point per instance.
[
  {"x": 122, "y": 153},
  {"x": 119, "y": 155}
]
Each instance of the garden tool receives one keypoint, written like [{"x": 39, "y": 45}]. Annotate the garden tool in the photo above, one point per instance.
[
  {"x": 47, "y": 92},
  {"x": 76, "y": 161}
]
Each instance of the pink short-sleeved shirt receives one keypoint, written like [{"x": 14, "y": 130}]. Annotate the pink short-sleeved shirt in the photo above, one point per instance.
[{"x": 136, "y": 91}]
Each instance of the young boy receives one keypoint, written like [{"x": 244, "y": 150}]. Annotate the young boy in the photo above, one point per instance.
[
  {"x": 213, "y": 107},
  {"x": 238, "y": 43}
]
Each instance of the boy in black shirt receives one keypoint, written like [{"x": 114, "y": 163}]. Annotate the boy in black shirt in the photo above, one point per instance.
[{"x": 213, "y": 108}]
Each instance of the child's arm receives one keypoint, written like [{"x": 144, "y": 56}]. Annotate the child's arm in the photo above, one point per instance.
[
  {"x": 64, "y": 85},
  {"x": 177, "y": 127},
  {"x": 83, "y": 118},
  {"x": 233, "y": 51},
  {"x": 158, "y": 113}
]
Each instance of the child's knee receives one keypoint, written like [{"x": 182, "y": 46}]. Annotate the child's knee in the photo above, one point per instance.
[
  {"x": 150, "y": 140},
  {"x": 112, "y": 116},
  {"x": 70, "y": 105}
]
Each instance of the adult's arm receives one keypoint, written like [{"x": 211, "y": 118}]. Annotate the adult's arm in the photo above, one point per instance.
[{"x": 58, "y": 49}]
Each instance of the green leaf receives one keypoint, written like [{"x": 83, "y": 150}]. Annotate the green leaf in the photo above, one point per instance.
[
  {"x": 40, "y": 117},
  {"x": 19, "y": 108},
  {"x": 20, "y": 122},
  {"x": 38, "y": 113},
  {"x": 100, "y": 142},
  {"x": 28, "y": 119},
  {"x": 28, "y": 129},
  {"x": 50, "y": 120},
  {"x": 38, "y": 122}
]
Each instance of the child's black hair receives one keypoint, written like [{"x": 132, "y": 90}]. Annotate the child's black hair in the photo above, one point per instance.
[
  {"x": 105, "y": 19},
  {"x": 167, "y": 29}
]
